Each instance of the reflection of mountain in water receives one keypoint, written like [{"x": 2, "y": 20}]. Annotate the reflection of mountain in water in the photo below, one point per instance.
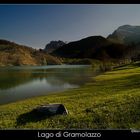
[
  {"x": 10, "y": 78},
  {"x": 22, "y": 82}
]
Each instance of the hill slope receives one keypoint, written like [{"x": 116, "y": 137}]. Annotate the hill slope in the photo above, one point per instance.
[{"x": 14, "y": 54}]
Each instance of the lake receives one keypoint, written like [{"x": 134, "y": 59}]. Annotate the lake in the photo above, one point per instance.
[{"x": 22, "y": 82}]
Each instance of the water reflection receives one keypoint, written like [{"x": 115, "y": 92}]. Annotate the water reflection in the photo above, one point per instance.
[{"x": 17, "y": 83}]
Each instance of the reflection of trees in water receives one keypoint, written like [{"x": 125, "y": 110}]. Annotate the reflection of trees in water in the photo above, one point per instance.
[
  {"x": 14, "y": 78},
  {"x": 77, "y": 76},
  {"x": 9, "y": 79}
]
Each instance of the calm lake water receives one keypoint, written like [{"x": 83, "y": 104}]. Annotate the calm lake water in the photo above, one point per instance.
[{"x": 18, "y": 83}]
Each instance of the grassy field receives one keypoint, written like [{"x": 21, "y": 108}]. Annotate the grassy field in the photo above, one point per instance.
[{"x": 111, "y": 100}]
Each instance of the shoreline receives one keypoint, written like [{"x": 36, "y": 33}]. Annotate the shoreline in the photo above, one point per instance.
[{"x": 110, "y": 102}]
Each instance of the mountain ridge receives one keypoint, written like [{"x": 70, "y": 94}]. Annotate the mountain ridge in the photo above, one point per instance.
[
  {"x": 126, "y": 34},
  {"x": 53, "y": 45},
  {"x": 117, "y": 45},
  {"x": 96, "y": 47}
]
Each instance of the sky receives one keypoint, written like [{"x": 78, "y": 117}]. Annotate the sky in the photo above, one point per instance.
[{"x": 37, "y": 25}]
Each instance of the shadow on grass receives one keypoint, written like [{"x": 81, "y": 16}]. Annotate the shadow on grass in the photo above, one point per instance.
[
  {"x": 122, "y": 84},
  {"x": 32, "y": 116},
  {"x": 137, "y": 64},
  {"x": 132, "y": 81},
  {"x": 123, "y": 67},
  {"x": 127, "y": 66}
]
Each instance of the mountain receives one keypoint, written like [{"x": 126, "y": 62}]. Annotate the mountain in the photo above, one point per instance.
[
  {"x": 96, "y": 47},
  {"x": 15, "y": 54},
  {"x": 53, "y": 45},
  {"x": 81, "y": 48},
  {"x": 126, "y": 34}
]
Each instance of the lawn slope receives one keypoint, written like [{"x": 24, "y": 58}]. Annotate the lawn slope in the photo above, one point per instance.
[{"x": 111, "y": 100}]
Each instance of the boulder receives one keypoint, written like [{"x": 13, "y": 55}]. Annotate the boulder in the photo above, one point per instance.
[{"x": 51, "y": 109}]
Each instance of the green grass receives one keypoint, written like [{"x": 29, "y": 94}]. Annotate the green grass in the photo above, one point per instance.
[{"x": 111, "y": 100}]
